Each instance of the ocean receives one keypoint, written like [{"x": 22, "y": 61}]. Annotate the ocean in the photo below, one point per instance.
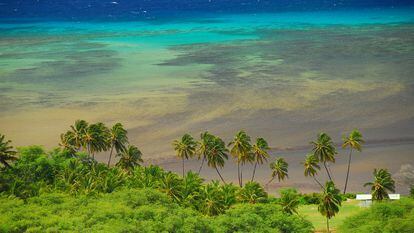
[{"x": 282, "y": 70}]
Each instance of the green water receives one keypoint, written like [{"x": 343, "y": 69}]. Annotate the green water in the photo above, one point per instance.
[{"x": 283, "y": 76}]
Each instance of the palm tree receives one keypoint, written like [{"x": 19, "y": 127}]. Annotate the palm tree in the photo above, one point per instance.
[
  {"x": 330, "y": 202},
  {"x": 77, "y": 136},
  {"x": 324, "y": 150},
  {"x": 118, "y": 139},
  {"x": 67, "y": 142},
  {"x": 311, "y": 165},
  {"x": 96, "y": 138},
  {"x": 289, "y": 200},
  {"x": 354, "y": 141},
  {"x": 130, "y": 158},
  {"x": 205, "y": 137},
  {"x": 185, "y": 148},
  {"x": 260, "y": 153},
  {"x": 7, "y": 154},
  {"x": 252, "y": 193},
  {"x": 211, "y": 199},
  {"x": 217, "y": 154},
  {"x": 279, "y": 169},
  {"x": 241, "y": 151},
  {"x": 382, "y": 183}
]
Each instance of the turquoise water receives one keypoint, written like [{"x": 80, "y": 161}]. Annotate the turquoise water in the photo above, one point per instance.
[{"x": 281, "y": 75}]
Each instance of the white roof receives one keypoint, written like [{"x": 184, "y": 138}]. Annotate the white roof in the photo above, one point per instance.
[
  {"x": 363, "y": 197},
  {"x": 394, "y": 196}
]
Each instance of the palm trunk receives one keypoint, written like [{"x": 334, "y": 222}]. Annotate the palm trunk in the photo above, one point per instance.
[
  {"x": 270, "y": 181},
  {"x": 6, "y": 164},
  {"x": 183, "y": 167},
  {"x": 202, "y": 163},
  {"x": 254, "y": 171},
  {"x": 89, "y": 150},
  {"x": 347, "y": 173},
  {"x": 327, "y": 224},
  {"x": 317, "y": 181},
  {"x": 327, "y": 171},
  {"x": 110, "y": 155},
  {"x": 238, "y": 172},
  {"x": 220, "y": 175},
  {"x": 241, "y": 177}
]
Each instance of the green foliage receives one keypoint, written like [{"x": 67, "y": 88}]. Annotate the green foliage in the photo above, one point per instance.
[
  {"x": 252, "y": 193},
  {"x": 384, "y": 217},
  {"x": 310, "y": 198},
  {"x": 260, "y": 218},
  {"x": 412, "y": 191},
  {"x": 381, "y": 185},
  {"x": 289, "y": 200}
]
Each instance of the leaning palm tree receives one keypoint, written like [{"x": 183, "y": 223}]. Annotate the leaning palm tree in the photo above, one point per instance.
[
  {"x": 67, "y": 142},
  {"x": 354, "y": 141},
  {"x": 279, "y": 169},
  {"x": 330, "y": 202},
  {"x": 96, "y": 138},
  {"x": 185, "y": 148},
  {"x": 311, "y": 165},
  {"x": 130, "y": 158},
  {"x": 7, "y": 154},
  {"x": 217, "y": 154},
  {"x": 324, "y": 150},
  {"x": 382, "y": 184},
  {"x": 260, "y": 153},
  {"x": 78, "y": 133},
  {"x": 206, "y": 138},
  {"x": 241, "y": 151},
  {"x": 118, "y": 139}
]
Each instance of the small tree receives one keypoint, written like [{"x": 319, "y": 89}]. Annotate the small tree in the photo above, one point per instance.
[
  {"x": 289, "y": 200},
  {"x": 381, "y": 185},
  {"x": 330, "y": 202}
]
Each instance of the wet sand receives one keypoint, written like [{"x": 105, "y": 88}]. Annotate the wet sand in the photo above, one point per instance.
[{"x": 391, "y": 156}]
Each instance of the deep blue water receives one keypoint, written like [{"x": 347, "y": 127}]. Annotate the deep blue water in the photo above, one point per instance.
[{"x": 155, "y": 9}]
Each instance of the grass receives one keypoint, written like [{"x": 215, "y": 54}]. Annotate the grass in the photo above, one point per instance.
[{"x": 311, "y": 213}]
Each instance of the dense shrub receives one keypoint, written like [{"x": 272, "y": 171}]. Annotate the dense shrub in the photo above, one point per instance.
[
  {"x": 390, "y": 216},
  {"x": 137, "y": 210},
  {"x": 310, "y": 198},
  {"x": 412, "y": 191}
]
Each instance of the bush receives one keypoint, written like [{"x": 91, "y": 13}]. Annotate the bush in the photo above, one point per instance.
[
  {"x": 137, "y": 210},
  {"x": 310, "y": 198},
  {"x": 412, "y": 191},
  {"x": 390, "y": 216},
  {"x": 260, "y": 218}
]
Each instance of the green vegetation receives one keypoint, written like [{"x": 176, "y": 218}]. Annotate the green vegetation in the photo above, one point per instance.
[
  {"x": 68, "y": 190},
  {"x": 381, "y": 185},
  {"x": 386, "y": 217}
]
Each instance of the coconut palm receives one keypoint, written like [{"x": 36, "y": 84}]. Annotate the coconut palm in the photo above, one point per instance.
[
  {"x": 130, "y": 158},
  {"x": 260, "y": 153},
  {"x": 67, "y": 142},
  {"x": 185, "y": 148},
  {"x": 330, "y": 202},
  {"x": 96, "y": 138},
  {"x": 241, "y": 151},
  {"x": 279, "y": 169},
  {"x": 354, "y": 141},
  {"x": 205, "y": 137},
  {"x": 289, "y": 200},
  {"x": 252, "y": 193},
  {"x": 7, "y": 154},
  {"x": 77, "y": 136},
  {"x": 324, "y": 150},
  {"x": 311, "y": 165},
  {"x": 382, "y": 184},
  {"x": 211, "y": 199},
  {"x": 118, "y": 139},
  {"x": 217, "y": 154}
]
